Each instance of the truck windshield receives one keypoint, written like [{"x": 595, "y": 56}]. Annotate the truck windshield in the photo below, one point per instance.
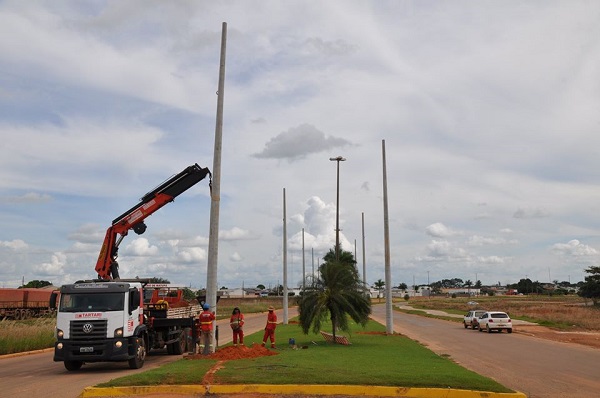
[{"x": 82, "y": 302}]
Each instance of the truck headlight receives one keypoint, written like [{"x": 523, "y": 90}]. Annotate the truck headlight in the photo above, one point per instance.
[
  {"x": 118, "y": 344},
  {"x": 59, "y": 346},
  {"x": 119, "y": 332},
  {"x": 59, "y": 333}
]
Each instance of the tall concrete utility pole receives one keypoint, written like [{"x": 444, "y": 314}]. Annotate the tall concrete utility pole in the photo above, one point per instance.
[
  {"x": 388, "y": 271},
  {"x": 303, "y": 264},
  {"x": 285, "y": 289},
  {"x": 363, "y": 250},
  {"x": 213, "y": 237}
]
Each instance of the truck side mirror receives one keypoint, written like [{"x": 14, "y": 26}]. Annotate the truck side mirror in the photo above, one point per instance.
[
  {"x": 53, "y": 299},
  {"x": 134, "y": 300}
]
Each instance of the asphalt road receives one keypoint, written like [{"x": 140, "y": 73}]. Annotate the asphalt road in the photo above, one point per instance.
[
  {"x": 536, "y": 367},
  {"x": 539, "y": 368},
  {"x": 37, "y": 375}
]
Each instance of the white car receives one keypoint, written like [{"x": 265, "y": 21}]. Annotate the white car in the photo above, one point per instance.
[{"x": 494, "y": 320}]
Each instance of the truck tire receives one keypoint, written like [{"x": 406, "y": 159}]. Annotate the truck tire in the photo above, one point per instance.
[
  {"x": 465, "y": 324},
  {"x": 140, "y": 354},
  {"x": 178, "y": 347},
  {"x": 181, "y": 345},
  {"x": 509, "y": 330},
  {"x": 73, "y": 365}
]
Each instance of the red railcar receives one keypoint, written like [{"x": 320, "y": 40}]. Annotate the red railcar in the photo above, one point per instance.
[{"x": 24, "y": 303}]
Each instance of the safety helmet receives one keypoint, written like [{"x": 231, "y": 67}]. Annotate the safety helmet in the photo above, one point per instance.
[{"x": 206, "y": 306}]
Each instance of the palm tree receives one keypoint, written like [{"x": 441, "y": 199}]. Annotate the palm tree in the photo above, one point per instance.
[
  {"x": 468, "y": 284},
  {"x": 379, "y": 285},
  {"x": 338, "y": 293}
]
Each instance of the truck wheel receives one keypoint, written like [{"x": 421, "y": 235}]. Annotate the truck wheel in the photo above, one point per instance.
[
  {"x": 179, "y": 347},
  {"x": 487, "y": 328},
  {"x": 73, "y": 365},
  {"x": 480, "y": 329},
  {"x": 140, "y": 354},
  {"x": 465, "y": 323},
  {"x": 509, "y": 330}
]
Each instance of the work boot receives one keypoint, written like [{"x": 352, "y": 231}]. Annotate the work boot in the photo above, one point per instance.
[{"x": 263, "y": 344}]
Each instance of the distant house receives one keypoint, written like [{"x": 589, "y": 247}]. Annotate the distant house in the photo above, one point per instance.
[{"x": 461, "y": 291}]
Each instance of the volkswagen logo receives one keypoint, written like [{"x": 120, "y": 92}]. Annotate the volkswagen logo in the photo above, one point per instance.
[{"x": 87, "y": 328}]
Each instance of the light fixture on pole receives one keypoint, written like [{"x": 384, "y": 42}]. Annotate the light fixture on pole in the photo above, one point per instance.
[{"x": 337, "y": 208}]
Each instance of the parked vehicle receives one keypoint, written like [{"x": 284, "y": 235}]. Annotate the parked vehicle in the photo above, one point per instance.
[
  {"x": 113, "y": 319},
  {"x": 494, "y": 320},
  {"x": 470, "y": 319},
  {"x": 24, "y": 303},
  {"x": 102, "y": 321}
]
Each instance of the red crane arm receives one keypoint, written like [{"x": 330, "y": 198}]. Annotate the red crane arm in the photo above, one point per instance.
[{"x": 107, "y": 266}]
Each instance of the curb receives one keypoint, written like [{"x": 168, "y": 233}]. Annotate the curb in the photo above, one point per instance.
[
  {"x": 293, "y": 389},
  {"x": 23, "y": 353}
]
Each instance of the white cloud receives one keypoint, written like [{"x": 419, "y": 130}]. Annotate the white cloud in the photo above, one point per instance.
[
  {"x": 236, "y": 257},
  {"x": 476, "y": 240},
  {"x": 235, "y": 233},
  {"x": 29, "y": 197},
  {"x": 140, "y": 247},
  {"x": 439, "y": 230},
  {"x": 55, "y": 267},
  {"x": 16, "y": 244},
  {"x": 193, "y": 254},
  {"x": 574, "y": 248}
]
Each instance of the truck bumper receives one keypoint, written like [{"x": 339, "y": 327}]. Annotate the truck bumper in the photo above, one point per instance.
[{"x": 107, "y": 350}]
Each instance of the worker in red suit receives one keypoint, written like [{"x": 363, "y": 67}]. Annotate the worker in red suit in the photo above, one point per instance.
[
  {"x": 270, "y": 328},
  {"x": 204, "y": 329},
  {"x": 236, "y": 322}
]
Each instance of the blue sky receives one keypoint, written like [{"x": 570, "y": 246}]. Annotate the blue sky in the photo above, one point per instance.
[{"x": 489, "y": 112}]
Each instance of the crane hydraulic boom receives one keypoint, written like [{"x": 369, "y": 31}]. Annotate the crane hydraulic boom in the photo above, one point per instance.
[{"x": 107, "y": 266}]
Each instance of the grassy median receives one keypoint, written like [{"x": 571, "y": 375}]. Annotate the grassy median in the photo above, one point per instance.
[{"x": 373, "y": 358}]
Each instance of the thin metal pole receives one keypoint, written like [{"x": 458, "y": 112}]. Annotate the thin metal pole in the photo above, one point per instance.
[
  {"x": 312, "y": 252},
  {"x": 285, "y": 287},
  {"x": 303, "y": 265},
  {"x": 213, "y": 237},
  {"x": 337, "y": 207},
  {"x": 388, "y": 271}
]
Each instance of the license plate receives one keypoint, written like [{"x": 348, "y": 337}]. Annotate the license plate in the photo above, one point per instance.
[{"x": 86, "y": 349}]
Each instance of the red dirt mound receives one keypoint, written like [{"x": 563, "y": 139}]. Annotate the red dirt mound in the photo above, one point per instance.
[{"x": 239, "y": 352}]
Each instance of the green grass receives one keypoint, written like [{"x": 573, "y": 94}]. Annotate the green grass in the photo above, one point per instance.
[
  {"x": 372, "y": 359},
  {"x": 179, "y": 372},
  {"x": 28, "y": 335}
]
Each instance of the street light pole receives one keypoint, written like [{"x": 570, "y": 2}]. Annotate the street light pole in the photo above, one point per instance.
[{"x": 337, "y": 208}]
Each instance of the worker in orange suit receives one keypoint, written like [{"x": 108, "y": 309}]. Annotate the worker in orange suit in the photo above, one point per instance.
[
  {"x": 270, "y": 328},
  {"x": 236, "y": 322},
  {"x": 205, "y": 326}
]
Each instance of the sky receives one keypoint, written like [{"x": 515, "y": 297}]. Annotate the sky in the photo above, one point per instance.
[{"x": 487, "y": 111}]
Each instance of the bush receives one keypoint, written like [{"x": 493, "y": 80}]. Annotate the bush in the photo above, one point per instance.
[
  {"x": 406, "y": 297},
  {"x": 453, "y": 295}
]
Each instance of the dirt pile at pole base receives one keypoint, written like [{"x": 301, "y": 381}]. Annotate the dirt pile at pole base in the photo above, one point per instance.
[{"x": 236, "y": 352}]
